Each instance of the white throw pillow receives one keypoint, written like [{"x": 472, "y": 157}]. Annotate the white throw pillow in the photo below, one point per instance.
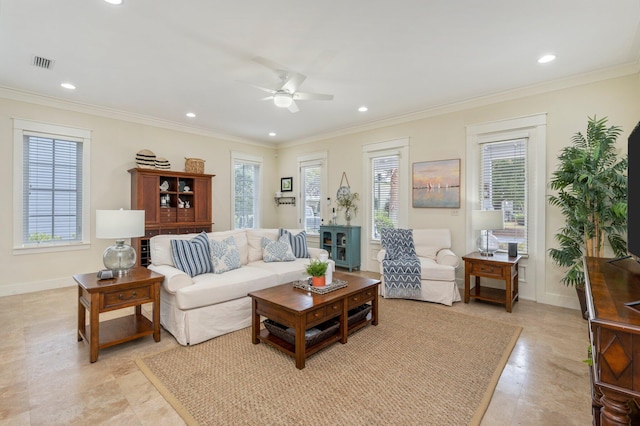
[
  {"x": 277, "y": 251},
  {"x": 225, "y": 255}
]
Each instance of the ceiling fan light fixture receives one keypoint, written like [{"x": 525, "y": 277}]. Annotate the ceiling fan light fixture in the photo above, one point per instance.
[{"x": 282, "y": 100}]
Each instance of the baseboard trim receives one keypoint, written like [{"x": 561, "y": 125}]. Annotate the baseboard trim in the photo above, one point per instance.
[{"x": 33, "y": 286}]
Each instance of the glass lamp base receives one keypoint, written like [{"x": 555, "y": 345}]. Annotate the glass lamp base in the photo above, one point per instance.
[
  {"x": 487, "y": 244},
  {"x": 119, "y": 258}
]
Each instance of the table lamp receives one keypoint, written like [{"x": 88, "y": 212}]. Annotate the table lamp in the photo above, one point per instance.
[
  {"x": 118, "y": 225},
  {"x": 485, "y": 221}
]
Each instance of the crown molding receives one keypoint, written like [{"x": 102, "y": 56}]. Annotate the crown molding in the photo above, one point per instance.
[
  {"x": 508, "y": 95},
  {"x": 50, "y": 101}
]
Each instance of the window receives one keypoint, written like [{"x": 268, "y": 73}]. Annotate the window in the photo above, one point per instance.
[
  {"x": 385, "y": 188},
  {"x": 246, "y": 189},
  {"x": 312, "y": 183},
  {"x": 387, "y": 193},
  {"x": 503, "y": 186},
  {"x": 51, "y": 196}
]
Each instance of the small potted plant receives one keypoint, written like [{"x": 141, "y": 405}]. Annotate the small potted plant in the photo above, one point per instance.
[{"x": 317, "y": 269}]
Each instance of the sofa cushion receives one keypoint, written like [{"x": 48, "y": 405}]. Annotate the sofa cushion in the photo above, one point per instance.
[
  {"x": 430, "y": 270},
  {"x": 254, "y": 238},
  {"x": 160, "y": 248},
  {"x": 286, "y": 272},
  {"x": 240, "y": 237},
  {"x": 225, "y": 255},
  {"x": 277, "y": 251},
  {"x": 428, "y": 242},
  {"x": 192, "y": 256},
  {"x": 298, "y": 243},
  {"x": 210, "y": 289}
]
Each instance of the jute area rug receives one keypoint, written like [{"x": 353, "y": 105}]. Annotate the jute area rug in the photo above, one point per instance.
[{"x": 422, "y": 365}]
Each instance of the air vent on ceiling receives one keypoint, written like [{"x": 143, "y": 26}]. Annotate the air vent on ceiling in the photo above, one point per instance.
[{"x": 39, "y": 61}]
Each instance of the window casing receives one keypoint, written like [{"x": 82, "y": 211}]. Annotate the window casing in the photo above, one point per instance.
[
  {"x": 246, "y": 190},
  {"x": 51, "y": 192},
  {"x": 503, "y": 186}
]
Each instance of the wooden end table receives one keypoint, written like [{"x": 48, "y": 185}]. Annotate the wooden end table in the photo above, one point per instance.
[
  {"x": 301, "y": 310},
  {"x": 499, "y": 267},
  {"x": 139, "y": 286}
]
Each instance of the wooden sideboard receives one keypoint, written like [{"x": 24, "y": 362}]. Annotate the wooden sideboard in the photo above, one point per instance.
[{"x": 614, "y": 332}]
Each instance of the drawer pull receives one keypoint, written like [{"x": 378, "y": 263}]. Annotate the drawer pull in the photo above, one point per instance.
[{"x": 133, "y": 296}]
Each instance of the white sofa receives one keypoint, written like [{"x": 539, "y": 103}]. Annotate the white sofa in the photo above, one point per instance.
[
  {"x": 208, "y": 305},
  {"x": 438, "y": 266}
]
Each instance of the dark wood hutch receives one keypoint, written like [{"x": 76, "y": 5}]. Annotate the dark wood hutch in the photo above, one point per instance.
[{"x": 174, "y": 203}]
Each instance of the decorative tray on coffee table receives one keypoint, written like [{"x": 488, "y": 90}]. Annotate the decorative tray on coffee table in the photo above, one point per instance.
[{"x": 304, "y": 285}]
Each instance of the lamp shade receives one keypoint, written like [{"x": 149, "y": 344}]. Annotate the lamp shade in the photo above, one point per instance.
[
  {"x": 487, "y": 219},
  {"x": 119, "y": 224}
]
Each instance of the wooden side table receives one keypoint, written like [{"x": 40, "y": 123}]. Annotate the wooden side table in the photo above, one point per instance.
[
  {"x": 134, "y": 289},
  {"x": 500, "y": 267}
]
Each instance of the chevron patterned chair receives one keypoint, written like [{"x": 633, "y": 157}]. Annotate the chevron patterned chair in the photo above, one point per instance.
[{"x": 437, "y": 266}]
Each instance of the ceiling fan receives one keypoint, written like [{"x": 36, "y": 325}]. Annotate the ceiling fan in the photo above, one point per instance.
[{"x": 287, "y": 93}]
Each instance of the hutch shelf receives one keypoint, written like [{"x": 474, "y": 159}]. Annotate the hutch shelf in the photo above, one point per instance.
[{"x": 174, "y": 203}]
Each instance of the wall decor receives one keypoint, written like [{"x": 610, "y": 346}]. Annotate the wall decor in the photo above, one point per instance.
[
  {"x": 436, "y": 184},
  {"x": 286, "y": 184}
]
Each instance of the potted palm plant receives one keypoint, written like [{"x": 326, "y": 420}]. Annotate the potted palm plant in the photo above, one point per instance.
[
  {"x": 591, "y": 186},
  {"x": 317, "y": 268}
]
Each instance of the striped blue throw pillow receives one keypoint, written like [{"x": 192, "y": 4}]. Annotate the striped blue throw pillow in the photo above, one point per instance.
[
  {"x": 298, "y": 243},
  {"x": 192, "y": 256}
]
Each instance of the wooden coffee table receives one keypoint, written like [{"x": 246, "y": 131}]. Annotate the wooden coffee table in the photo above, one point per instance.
[{"x": 301, "y": 310}]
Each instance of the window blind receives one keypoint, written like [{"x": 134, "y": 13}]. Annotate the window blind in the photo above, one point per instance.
[
  {"x": 385, "y": 193},
  {"x": 246, "y": 194},
  {"x": 311, "y": 192},
  {"x": 52, "y": 190},
  {"x": 503, "y": 186}
]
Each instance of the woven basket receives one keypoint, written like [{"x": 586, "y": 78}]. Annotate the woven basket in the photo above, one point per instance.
[
  {"x": 358, "y": 314},
  {"x": 326, "y": 329},
  {"x": 194, "y": 165}
]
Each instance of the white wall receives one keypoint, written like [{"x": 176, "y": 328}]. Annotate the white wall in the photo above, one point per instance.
[
  {"x": 115, "y": 143},
  {"x": 113, "y": 148},
  {"x": 443, "y": 136}
]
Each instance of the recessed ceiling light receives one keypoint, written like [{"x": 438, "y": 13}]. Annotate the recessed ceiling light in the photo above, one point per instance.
[
  {"x": 546, "y": 58},
  {"x": 68, "y": 86},
  {"x": 114, "y": 1},
  {"x": 272, "y": 134},
  {"x": 190, "y": 115},
  {"x": 363, "y": 109}
]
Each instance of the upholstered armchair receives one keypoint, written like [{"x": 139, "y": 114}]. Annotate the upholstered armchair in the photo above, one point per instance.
[{"x": 438, "y": 266}]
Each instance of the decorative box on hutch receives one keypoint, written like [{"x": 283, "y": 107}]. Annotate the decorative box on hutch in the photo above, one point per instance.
[{"x": 174, "y": 203}]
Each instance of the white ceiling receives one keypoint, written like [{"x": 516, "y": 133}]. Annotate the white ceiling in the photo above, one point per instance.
[{"x": 163, "y": 58}]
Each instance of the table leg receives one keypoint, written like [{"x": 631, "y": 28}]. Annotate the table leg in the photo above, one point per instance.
[
  {"x": 508, "y": 290},
  {"x": 94, "y": 325},
  {"x": 467, "y": 283},
  {"x": 515, "y": 283},
  {"x": 344, "y": 323},
  {"x": 374, "y": 308},
  {"x": 82, "y": 319},
  {"x": 300, "y": 348},
  {"x": 156, "y": 312},
  {"x": 255, "y": 322}
]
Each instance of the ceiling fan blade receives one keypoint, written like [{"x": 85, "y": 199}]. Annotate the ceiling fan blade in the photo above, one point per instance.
[
  {"x": 293, "y": 107},
  {"x": 267, "y": 98},
  {"x": 312, "y": 96},
  {"x": 293, "y": 81},
  {"x": 274, "y": 66}
]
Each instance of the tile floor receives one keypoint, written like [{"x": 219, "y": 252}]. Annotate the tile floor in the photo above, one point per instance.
[{"x": 46, "y": 377}]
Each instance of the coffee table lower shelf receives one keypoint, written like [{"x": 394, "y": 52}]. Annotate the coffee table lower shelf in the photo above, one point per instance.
[{"x": 289, "y": 348}]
